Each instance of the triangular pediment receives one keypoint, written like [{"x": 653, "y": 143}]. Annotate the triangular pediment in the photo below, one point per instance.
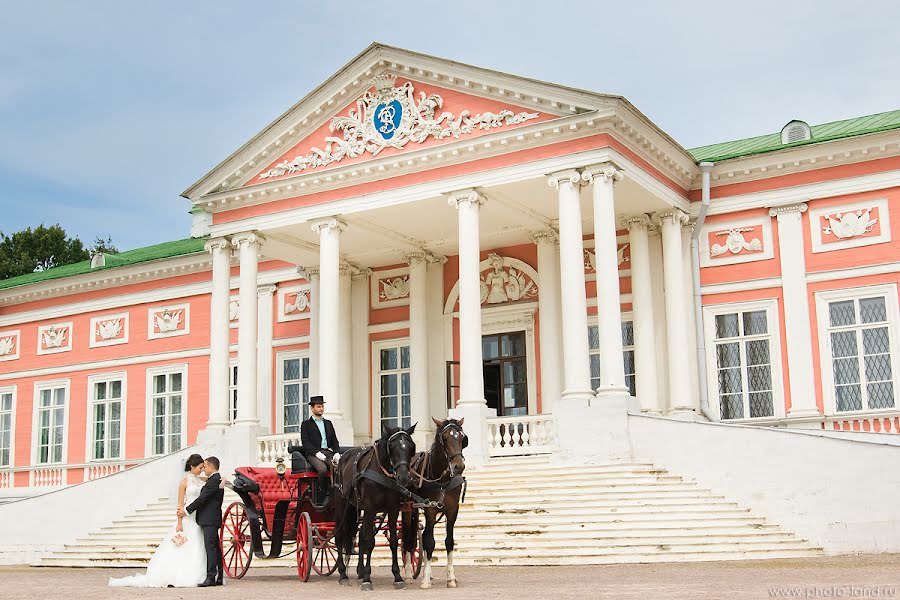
[{"x": 439, "y": 101}]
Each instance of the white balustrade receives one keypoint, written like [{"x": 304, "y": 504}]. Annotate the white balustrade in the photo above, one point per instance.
[
  {"x": 508, "y": 436},
  {"x": 48, "y": 477},
  {"x": 885, "y": 422},
  {"x": 93, "y": 472},
  {"x": 271, "y": 447},
  {"x": 6, "y": 480}
]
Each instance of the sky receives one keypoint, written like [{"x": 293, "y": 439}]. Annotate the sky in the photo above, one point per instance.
[{"x": 110, "y": 109}]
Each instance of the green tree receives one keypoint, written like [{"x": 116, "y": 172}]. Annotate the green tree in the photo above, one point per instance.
[
  {"x": 104, "y": 245},
  {"x": 38, "y": 249}
]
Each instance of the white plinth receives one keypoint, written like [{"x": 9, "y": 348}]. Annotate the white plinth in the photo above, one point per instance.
[
  {"x": 594, "y": 432},
  {"x": 475, "y": 426}
]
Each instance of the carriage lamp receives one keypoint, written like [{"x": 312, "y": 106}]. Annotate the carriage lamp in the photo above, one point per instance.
[{"x": 280, "y": 469}]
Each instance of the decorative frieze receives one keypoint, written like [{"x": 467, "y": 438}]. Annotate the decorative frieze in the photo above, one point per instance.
[
  {"x": 392, "y": 117},
  {"x": 54, "y": 338},
  {"x": 109, "y": 330},
  {"x": 850, "y": 225},
  {"x": 294, "y": 303},
  {"x": 390, "y": 288},
  {"x": 168, "y": 321},
  {"x": 735, "y": 242},
  {"x": 9, "y": 345}
]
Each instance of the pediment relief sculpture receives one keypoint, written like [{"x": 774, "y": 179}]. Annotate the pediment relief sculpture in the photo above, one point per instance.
[{"x": 505, "y": 283}]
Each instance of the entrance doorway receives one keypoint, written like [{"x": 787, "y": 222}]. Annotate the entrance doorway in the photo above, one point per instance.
[{"x": 505, "y": 373}]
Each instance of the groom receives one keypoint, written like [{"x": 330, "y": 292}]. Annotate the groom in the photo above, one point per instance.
[{"x": 209, "y": 517}]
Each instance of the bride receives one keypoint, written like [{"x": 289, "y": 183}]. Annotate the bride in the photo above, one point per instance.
[{"x": 173, "y": 564}]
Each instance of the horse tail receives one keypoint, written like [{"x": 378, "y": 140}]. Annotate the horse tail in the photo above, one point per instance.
[{"x": 410, "y": 530}]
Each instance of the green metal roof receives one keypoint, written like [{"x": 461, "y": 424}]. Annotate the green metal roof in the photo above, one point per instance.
[
  {"x": 129, "y": 257},
  {"x": 820, "y": 133}
]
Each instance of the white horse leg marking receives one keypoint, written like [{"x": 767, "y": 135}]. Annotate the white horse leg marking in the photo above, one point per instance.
[
  {"x": 451, "y": 576},
  {"x": 407, "y": 561},
  {"x": 426, "y": 577}
]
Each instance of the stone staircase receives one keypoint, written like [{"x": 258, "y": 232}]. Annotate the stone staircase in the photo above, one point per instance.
[{"x": 522, "y": 511}]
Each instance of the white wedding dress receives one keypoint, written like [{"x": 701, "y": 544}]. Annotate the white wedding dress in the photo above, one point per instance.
[{"x": 178, "y": 566}]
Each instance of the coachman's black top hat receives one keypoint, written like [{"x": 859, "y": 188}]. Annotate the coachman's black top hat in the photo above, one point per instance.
[{"x": 316, "y": 400}]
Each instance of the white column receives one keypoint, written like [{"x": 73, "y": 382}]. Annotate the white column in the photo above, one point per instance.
[
  {"x": 680, "y": 397},
  {"x": 220, "y": 248},
  {"x": 549, "y": 317},
  {"x": 359, "y": 300},
  {"x": 437, "y": 368},
  {"x": 312, "y": 275},
  {"x": 346, "y": 365},
  {"x": 602, "y": 178},
  {"x": 329, "y": 231},
  {"x": 690, "y": 342},
  {"x": 472, "y": 405},
  {"x": 576, "y": 367},
  {"x": 418, "y": 345},
  {"x": 248, "y": 248},
  {"x": 642, "y": 311},
  {"x": 796, "y": 309},
  {"x": 265, "y": 294}
]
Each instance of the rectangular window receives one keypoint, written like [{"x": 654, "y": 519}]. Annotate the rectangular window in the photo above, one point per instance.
[
  {"x": 6, "y": 428},
  {"x": 743, "y": 353},
  {"x": 859, "y": 334},
  {"x": 627, "y": 355},
  {"x": 106, "y": 419},
  {"x": 51, "y": 423},
  {"x": 394, "y": 385},
  {"x": 294, "y": 392},
  {"x": 233, "y": 389},
  {"x": 167, "y": 406}
]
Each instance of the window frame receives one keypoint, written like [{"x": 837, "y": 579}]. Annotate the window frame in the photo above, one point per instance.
[
  {"x": 232, "y": 389},
  {"x": 89, "y": 432},
  {"x": 710, "y": 312},
  {"x": 823, "y": 298},
  {"x": 594, "y": 321},
  {"x": 148, "y": 409},
  {"x": 35, "y": 423},
  {"x": 11, "y": 389},
  {"x": 377, "y": 347},
  {"x": 280, "y": 357}
]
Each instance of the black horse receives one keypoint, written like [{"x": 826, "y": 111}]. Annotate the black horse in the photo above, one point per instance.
[
  {"x": 437, "y": 476},
  {"x": 367, "y": 482}
]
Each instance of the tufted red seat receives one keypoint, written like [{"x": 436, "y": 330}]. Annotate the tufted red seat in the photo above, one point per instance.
[{"x": 271, "y": 488}]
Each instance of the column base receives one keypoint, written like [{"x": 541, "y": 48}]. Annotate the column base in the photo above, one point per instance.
[
  {"x": 211, "y": 435},
  {"x": 475, "y": 426},
  {"x": 612, "y": 390},
  {"x": 687, "y": 414},
  {"x": 576, "y": 396},
  {"x": 801, "y": 413},
  {"x": 239, "y": 446},
  {"x": 594, "y": 433}
]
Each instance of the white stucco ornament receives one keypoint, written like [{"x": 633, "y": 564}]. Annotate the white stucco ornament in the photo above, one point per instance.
[
  {"x": 394, "y": 288},
  {"x": 850, "y": 224},
  {"x": 392, "y": 117},
  {"x": 504, "y": 283},
  {"x": 107, "y": 330},
  {"x": 233, "y": 309},
  {"x": 736, "y": 243},
  {"x": 7, "y": 345},
  {"x": 54, "y": 338},
  {"x": 300, "y": 303},
  {"x": 590, "y": 258},
  {"x": 167, "y": 321}
]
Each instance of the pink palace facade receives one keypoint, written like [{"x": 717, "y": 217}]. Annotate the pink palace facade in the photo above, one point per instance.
[{"x": 418, "y": 236}]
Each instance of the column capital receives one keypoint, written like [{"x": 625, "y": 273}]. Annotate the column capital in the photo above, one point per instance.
[
  {"x": 467, "y": 197},
  {"x": 417, "y": 256},
  {"x": 308, "y": 273},
  {"x": 361, "y": 273},
  {"x": 348, "y": 268},
  {"x": 265, "y": 289},
  {"x": 607, "y": 172},
  {"x": 675, "y": 216},
  {"x": 549, "y": 236},
  {"x": 246, "y": 238},
  {"x": 630, "y": 222},
  {"x": 570, "y": 176},
  {"x": 217, "y": 244},
  {"x": 777, "y": 211},
  {"x": 329, "y": 223}
]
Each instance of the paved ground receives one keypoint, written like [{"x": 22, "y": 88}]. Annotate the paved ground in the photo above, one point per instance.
[{"x": 870, "y": 576}]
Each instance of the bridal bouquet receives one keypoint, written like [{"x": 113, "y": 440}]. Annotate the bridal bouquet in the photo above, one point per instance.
[{"x": 179, "y": 538}]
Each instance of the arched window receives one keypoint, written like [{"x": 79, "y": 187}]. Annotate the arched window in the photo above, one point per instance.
[{"x": 795, "y": 131}]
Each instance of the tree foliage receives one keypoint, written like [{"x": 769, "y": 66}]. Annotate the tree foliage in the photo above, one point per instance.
[{"x": 40, "y": 249}]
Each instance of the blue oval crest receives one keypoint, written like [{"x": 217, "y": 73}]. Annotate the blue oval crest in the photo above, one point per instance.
[{"x": 387, "y": 117}]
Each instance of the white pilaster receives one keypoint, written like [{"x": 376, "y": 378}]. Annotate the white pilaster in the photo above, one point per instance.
[
  {"x": 345, "y": 341},
  {"x": 576, "y": 367},
  {"x": 418, "y": 345},
  {"x": 796, "y": 309},
  {"x": 265, "y": 371},
  {"x": 437, "y": 368},
  {"x": 359, "y": 300},
  {"x": 643, "y": 314},
  {"x": 472, "y": 404},
  {"x": 248, "y": 249},
  {"x": 220, "y": 248},
  {"x": 602, "y": 178},
  {"x": 680, "y": 398},
  {"x": 312, "y": 275},
  {"x": 549, "y": 317}
]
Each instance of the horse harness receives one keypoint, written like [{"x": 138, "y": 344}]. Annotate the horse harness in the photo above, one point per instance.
[{"x": 423, "y": 465}]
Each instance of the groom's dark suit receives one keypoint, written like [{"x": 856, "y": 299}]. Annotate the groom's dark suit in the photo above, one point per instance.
[{"x": 209, "y": 517}]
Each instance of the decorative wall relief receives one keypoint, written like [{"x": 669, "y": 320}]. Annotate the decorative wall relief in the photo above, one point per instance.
[
  {"x": 9, "y": 345},
  {"x": 735, "y": 242},
  {"x": 294, "y": 303},
  {"x": 168, "y": 321},
  {"x": 392, "y": 117},
  {"x": 54, "y": 338},
  {"x": 590, "y": 258},
  {"x": 394, "y": 288},
  {"x": 389, "y": 288},
  {"x": 109, "y": 330},
  {"x": 504, "y": 283},
  {"x": 234, "y": 310},
  {"x": 849, "y": 225}
]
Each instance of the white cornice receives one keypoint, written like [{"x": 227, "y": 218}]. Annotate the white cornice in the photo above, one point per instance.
[{"x": 105, "y": 364}]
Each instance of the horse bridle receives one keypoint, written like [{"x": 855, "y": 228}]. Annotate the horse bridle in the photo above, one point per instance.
[
  {"x": 387, "y": 445},
  {"x": 464, "y": 443}
]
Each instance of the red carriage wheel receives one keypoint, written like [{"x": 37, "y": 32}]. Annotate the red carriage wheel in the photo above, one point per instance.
[
  {"x": 304, "y": 547},
  {"x": 324, "y": 554},
  {"x": 235, "y": 540},
  {"x": 417, "y": 555}
]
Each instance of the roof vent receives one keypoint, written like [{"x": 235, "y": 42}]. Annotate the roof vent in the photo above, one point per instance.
[
  {"x": 795, "y": 131},
  {"x": 98, "y": 259}
]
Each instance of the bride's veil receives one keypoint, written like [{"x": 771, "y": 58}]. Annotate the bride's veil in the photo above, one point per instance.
[{"x": 170, "y": 486}]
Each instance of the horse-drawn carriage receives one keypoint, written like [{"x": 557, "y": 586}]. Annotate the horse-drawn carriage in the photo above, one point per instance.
[{"x": 277, "y": 506}]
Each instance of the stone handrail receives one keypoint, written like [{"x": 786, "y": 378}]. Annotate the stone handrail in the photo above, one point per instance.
[
  {"x": 535, "y": 434},
  {"x": 884, "y": 422},
  {"x": 270, "y": 447},
  {"x": 6, "y": 480}
]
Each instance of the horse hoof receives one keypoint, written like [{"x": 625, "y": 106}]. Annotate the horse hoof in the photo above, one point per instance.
[
  {"x": 344, "y": 581},
  {"x": 451, "y": 583},
  {"x": 399, "y": 585},
  {"x": 366, "y": 586},
  {"x": 425, "y": 585}
]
